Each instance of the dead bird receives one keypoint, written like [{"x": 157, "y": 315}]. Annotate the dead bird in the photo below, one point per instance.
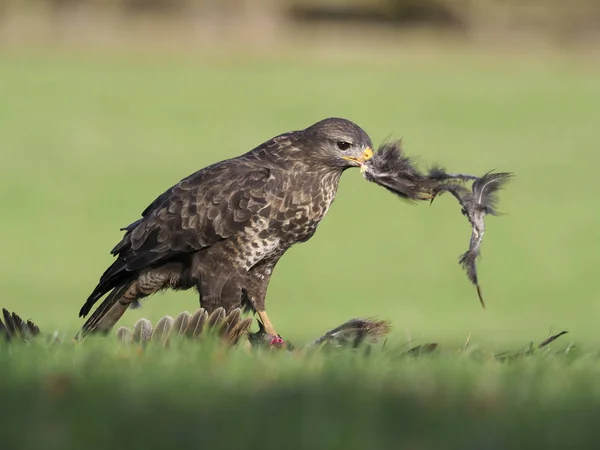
[
  {"x": 263, "y": 339},
  {"x": 232, "y": 328},
  {"x": 392, "y": 169},
  {"x": 350, "y": 334},
  {"x": 354, "y": 332}
]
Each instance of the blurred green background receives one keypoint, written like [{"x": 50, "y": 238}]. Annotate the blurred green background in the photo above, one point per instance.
[
  {"x": 104, "y": 104},
  {"x": 100, "y": 113}
]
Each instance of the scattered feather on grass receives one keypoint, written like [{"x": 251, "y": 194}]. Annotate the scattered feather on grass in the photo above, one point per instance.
[
  {"x": 423, "y": 349},
  {"x": 551, "y": 339},
  {"x": 530, "y": 349}
]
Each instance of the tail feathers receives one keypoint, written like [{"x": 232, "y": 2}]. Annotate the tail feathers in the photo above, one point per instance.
[
  {"x": 91, "y": 300},
  {"x": 112, "y": 277},
  {"x": 109, "y": 311}
]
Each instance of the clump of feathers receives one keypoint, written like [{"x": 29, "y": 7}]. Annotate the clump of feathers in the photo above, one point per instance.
[
  {"x": 396, "y": 172},
  {"x": 15, "y": 328},
  {"x": 480, "y": 200},
  {"x": 350, "y": 334}
]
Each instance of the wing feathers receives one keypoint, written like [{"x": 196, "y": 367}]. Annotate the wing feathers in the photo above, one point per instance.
[{"x": 211, "y": 205}]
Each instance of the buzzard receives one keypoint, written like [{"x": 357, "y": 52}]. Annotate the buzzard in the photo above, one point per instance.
[{"x": 223, "y": 229}]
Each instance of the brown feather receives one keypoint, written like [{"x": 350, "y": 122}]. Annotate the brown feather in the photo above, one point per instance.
[
  {"x": 196, "y": 323},
  {"x": 214, "y": 319},
  {"x": 142, "y": 331},
  {"x": 124, "y": 334},
  {"x": 162, "y": 331},
  {"x": 181, "y": 323}
]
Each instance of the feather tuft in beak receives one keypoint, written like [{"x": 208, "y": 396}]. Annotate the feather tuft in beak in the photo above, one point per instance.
[{"x": 393, "y": 170}]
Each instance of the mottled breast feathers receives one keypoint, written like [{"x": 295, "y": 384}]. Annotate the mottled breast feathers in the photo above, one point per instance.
[{"x": 267, "y": 199}]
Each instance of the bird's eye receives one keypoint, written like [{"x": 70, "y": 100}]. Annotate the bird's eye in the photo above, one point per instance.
[{"x": 343, "y": 145}]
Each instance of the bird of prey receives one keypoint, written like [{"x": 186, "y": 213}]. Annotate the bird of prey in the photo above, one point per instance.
[{"x": 223, "y": 229}]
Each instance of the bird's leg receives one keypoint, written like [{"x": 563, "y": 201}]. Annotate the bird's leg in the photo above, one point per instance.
[
  {"x": 219, "y": 280},
  {"x": 209, "y": 301},
  {"x": 255, "y": 290},
  {"x": 269, "y": 329},
  {"x": 211, "y": 296}
]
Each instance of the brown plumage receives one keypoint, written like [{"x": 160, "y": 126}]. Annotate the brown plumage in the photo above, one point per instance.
[{"x": 223, "y": 229}]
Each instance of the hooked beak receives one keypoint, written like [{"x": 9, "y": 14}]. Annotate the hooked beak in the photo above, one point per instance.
[{"x": 362, "y": 159}]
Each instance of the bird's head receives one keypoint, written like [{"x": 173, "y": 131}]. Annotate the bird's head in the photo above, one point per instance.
[
  {"x": 263, "y": 339},
  {"x": 338, "y": 143}
]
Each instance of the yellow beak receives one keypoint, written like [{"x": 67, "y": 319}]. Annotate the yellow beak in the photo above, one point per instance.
[{"x": 367, "y": 154}]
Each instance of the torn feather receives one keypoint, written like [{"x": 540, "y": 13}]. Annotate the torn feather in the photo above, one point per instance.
[{"x": 393, "y": 170}]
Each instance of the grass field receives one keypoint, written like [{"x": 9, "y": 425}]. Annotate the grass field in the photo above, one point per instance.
[{"x": 88, "y": 140}]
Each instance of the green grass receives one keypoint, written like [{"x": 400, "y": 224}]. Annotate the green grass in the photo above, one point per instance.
[
  {"x": 88, "y": 140},
  {"x": 106, "y": 394}
]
